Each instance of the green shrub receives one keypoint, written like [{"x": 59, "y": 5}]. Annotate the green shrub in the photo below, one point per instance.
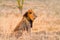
[{"x": 20, "y": 4}]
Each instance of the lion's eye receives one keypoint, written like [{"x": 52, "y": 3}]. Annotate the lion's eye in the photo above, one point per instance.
[{"x": 30, "y": 12}]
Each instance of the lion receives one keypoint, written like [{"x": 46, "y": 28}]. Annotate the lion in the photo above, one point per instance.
[{"x": 25, "y": 24}]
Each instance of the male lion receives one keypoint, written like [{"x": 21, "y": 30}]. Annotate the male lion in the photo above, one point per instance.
[{"x": 25, "y": 24}]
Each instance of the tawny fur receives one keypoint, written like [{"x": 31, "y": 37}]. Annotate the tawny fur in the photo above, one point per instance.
[{"x": 25, "y": 24}]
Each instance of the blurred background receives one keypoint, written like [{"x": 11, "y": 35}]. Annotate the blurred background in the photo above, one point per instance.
[{"x": 47, "y": 22}]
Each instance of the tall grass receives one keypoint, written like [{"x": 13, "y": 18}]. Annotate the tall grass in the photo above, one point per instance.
[{"x": 20, "y": 4}]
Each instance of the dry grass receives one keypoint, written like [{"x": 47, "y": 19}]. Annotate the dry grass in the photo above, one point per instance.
[{"x": 45, "y": 27}]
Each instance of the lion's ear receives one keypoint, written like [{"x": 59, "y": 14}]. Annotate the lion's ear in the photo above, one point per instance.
[{"x": 30, "y": 10}]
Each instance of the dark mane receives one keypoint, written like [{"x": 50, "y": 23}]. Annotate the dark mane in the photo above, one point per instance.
[{"x": 26, "y": 16}]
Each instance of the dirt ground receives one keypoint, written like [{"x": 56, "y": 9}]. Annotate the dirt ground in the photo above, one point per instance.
[{"x": 45, "y": 27}]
